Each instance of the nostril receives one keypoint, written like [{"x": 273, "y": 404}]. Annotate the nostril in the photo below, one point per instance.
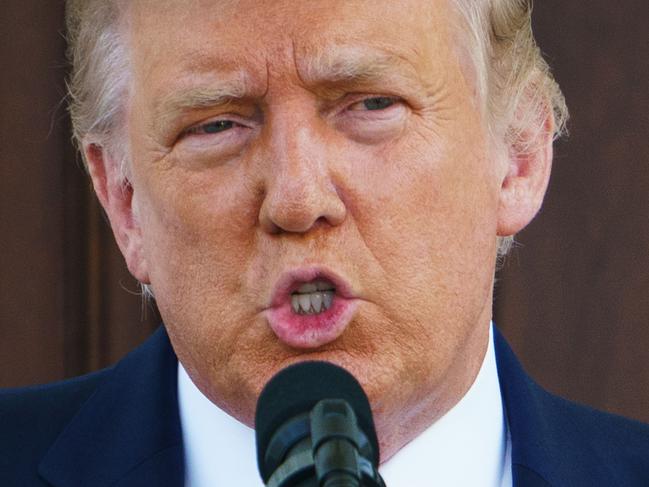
[
  {"x": 300, "y": 208},
  {"x": 282, "y": 216},
  {"x": 321, "y": 221}
]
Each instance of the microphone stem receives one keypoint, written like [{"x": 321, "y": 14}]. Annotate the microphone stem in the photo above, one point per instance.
[{"x": 341, "y": 480}]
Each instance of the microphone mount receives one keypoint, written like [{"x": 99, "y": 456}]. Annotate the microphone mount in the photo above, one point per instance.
[{"x": 323, "y": 448}]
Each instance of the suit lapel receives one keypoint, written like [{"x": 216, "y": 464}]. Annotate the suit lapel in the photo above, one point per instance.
[
  {"x": 548, "y": 448},
  {"x": 128, "y": 433}
]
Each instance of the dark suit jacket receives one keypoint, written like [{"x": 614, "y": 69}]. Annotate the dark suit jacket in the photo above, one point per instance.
[{"x": 120, "y": 427}]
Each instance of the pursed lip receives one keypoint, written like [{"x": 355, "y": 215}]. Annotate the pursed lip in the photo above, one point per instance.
[
  {"x": 290, "y": 281},
  {"x": 309, "y": 331}
]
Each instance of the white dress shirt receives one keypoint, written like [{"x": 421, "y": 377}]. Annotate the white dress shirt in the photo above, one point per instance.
[{"x": 468, "y": 447}]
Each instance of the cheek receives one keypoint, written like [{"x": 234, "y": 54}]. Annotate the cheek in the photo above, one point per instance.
[
  {"x": 196, "y": 231},
  {"x": 427, "y": 216},
  {"x": 420, "y": 204}
]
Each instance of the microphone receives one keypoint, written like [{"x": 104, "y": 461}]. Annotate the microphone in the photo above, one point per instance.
[{"x": 314, "y": 428}]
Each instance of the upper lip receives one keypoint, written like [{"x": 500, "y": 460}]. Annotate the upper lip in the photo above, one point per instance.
[{"x": 291, "y": 280}]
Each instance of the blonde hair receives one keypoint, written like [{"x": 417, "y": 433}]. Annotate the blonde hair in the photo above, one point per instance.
[
  {"x": 514, "y": 83},
  {"x": 515, "y": 86}
]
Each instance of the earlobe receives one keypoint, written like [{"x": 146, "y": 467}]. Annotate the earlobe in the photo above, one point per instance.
[
  {"x": 116, "y": 195},
  {"x": 529, "y": 162}
]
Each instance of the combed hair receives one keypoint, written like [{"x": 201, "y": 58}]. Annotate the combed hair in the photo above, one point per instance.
[{"x": 514, "y": 83}]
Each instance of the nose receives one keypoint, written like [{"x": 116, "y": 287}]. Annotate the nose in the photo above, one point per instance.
[{"x": 300, "y": 193}]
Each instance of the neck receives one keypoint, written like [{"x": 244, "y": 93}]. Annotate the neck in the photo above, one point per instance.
[{"x": 415, "y": 411}]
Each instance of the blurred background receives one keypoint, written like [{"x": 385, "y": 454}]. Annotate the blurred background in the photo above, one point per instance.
[{"x": 572, "y": 298}]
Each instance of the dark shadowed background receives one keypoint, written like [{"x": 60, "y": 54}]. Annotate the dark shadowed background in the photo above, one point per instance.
[{"x": 572, "y": 298}]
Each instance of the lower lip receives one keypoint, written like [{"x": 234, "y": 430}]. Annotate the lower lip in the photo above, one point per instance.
[{"x": 311, "y": 331}]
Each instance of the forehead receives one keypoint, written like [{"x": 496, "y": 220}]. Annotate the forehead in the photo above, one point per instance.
[{"x": 258, "y": 37}]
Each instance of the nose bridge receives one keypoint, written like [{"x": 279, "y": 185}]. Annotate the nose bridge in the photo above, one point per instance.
[
  {"x": 299, "y": 190},
  {"x": 298, "y": 153}
]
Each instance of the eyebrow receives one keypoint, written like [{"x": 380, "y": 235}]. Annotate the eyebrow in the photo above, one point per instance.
[
  {"x": 354, "y": 64},
  {"x": 224, "y": 91},
  {"x": 337, "y": 65}
]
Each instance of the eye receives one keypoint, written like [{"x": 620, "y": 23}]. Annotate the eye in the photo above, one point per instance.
[
  {"x": 214, "y": 127},
  {"x": 375, "y": 103}
]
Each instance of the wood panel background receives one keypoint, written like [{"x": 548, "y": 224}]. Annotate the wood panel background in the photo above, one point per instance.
[{"x": 572, "y": 298}]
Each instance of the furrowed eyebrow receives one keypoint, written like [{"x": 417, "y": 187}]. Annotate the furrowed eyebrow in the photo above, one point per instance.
[
  {"x": 335, "y": 66},
  {"x": 345, "y": 65},
  {"x": 182, "y": 101}
]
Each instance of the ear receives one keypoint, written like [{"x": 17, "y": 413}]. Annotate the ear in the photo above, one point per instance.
[
  {"x": 115, "y": 194},
  {"x": 529, "y": 161}
]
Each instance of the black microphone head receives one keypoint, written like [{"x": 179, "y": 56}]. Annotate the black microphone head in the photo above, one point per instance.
[{"x": 296, "y": 390}]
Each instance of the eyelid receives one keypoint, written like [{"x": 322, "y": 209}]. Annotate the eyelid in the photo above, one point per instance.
[
  {"x": 198, "y": 127},
  {"x": 364, "y": 98},
  {"x": 201, "y": 126},
  {"x": 399, "y": 103}
]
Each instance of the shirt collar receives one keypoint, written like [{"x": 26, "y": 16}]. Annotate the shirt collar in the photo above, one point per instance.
[{"x": 469, "y": 445}]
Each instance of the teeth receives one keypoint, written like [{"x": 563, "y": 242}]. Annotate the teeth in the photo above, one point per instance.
[
  {"x": 316, "y": 302},
  {"x": 328, "y": 299},
  {"x": 312, "y": 303},
  {"x": 313, "y": 297},
  {"x": 305, "y": 301}
]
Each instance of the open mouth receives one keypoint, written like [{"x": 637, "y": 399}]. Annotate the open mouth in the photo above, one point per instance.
[
  {"x": 313, "y": 298},
  {"x": 310, "y": 308}
]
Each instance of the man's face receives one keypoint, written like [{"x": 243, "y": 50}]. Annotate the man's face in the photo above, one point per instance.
[{"x": 276, "y": 143}]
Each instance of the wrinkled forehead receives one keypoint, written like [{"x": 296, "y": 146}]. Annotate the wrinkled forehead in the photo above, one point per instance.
[{"x": 312, "y": 35}]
